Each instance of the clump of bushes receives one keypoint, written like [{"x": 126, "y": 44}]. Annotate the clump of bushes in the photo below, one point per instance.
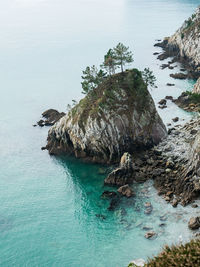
[
  {"x": 193, "y": 97},
  {"x": 187, "y": 255}
]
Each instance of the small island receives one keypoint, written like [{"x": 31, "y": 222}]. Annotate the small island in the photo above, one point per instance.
[{"x": 117, "y": 115}]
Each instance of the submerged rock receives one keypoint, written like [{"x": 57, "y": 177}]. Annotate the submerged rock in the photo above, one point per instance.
[
  {"x": 108, "y": 194},
  {"x": 118, "y": 116},
  {"x": 150, "y": 235}
]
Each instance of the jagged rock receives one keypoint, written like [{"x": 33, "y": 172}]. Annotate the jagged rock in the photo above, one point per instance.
[
  {"x": 194, "y": 206},
  {"x": 51, "y": 116},
  {"x": 174, "y": 203},
  {"x": 196, "y": 89},
  {"x": 180, "y": 76},
  {"x": 194, "y": 223},
  {"x": 175, "y": 119},
  {"x": 162, "y": 107},
  {"x": 123, "y": 174},
  {"x": 162, "y": 102},
  {"x": 118, "y": 116},
  {"x": 40, "y": 123},
  {"x": 184, "y": 45},
  {"x": 126, "y": 191},
  {"x": 193, "y": 131},
  {"x": 118, "y": 177},
  {"x": 126, "y": 161}
]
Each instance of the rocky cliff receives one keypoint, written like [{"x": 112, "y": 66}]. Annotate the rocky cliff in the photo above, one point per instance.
[
  {"x": 185, "y": 43},
  {"x": 118, "y": 116},
  {"x": 196, "y": 89}
]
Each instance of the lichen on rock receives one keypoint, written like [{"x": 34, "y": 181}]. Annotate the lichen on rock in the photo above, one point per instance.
[{"x": 116, "y": 117}]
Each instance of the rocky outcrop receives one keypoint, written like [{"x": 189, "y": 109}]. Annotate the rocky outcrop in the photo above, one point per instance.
[
  {"x": 50, "y": 117},
  {"x": 196, "y": 89},
  {"x": 126, "y": 191},
  {"x": 122, "y": 175},
  {"x": 184, "y": 45},
  {"x": 118, "y": 116},
  {"x": 181, "y": 180}
]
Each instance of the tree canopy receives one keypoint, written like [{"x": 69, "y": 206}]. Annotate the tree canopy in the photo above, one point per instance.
[
  {"x": 148, "y": 77},
  {"x": 122, "y": 55}
]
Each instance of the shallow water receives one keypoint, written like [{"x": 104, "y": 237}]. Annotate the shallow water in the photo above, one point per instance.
[{"x": 49, "y": 206}]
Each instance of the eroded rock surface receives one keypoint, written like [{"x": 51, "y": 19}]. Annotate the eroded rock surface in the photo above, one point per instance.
[
  {"x": 50, "y": 117},
  {"x": 184, "y": 46},
  {"x": 118, "y": 116}
]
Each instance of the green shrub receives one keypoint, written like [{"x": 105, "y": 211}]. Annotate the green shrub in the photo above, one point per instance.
[{"x": 187, "y": 255}]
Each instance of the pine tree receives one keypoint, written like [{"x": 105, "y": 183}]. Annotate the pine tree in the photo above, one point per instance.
[
  {"x": 148, "y": 77},
  {"x": 122, "y": 55},
  {"x": 109, "y": 63},
  {"x": 92, "y": 77}
]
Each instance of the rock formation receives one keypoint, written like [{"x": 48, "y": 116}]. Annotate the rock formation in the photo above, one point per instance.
[
  {"x": 184, "y": 45},
  {"x": 196, "y": 89},
  {"x": 118, "y": 116}
]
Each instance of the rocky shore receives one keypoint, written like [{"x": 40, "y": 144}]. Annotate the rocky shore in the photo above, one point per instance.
[
  {"x": 173, "y": 165},
  {"x": 184, "y": 47}
]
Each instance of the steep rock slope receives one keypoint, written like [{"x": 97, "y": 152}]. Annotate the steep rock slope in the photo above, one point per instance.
[
  {"x": 118, "y": 116},
  {"x": 185, "y": 43},
  {"x": 196, "y": 89}
]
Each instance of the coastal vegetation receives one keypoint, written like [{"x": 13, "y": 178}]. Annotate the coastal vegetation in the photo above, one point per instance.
[
  {"x": 181, "y": 255},
  {"x": 116, "y": 115},
  {"x": 117, "y": 57}
]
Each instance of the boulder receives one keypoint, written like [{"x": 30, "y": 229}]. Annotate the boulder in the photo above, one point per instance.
[
  {"x": 162, "y": 102},
  {"x": 122, "y": 175},
  {"x": 117, "y": 116},
  {"x": 126, "y": 191},
  {"x": 180, "y": 76},
  {"x": 194, "y": 223},
  {"x": 175, "y": 119}
]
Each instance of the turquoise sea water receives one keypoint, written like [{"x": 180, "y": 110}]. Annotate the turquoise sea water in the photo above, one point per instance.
[{"x": 49, "y": 206}]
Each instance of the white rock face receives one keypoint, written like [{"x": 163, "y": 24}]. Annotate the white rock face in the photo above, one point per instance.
[
  {"x": 196, "y": 88},
  {"x": 100, "y": 132},
  {"x": 139, "y": 262},
  {"x": 187, "y": 40}
]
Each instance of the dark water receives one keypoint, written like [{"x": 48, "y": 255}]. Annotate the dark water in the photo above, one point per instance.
[{"x": 49, "y": 206}]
